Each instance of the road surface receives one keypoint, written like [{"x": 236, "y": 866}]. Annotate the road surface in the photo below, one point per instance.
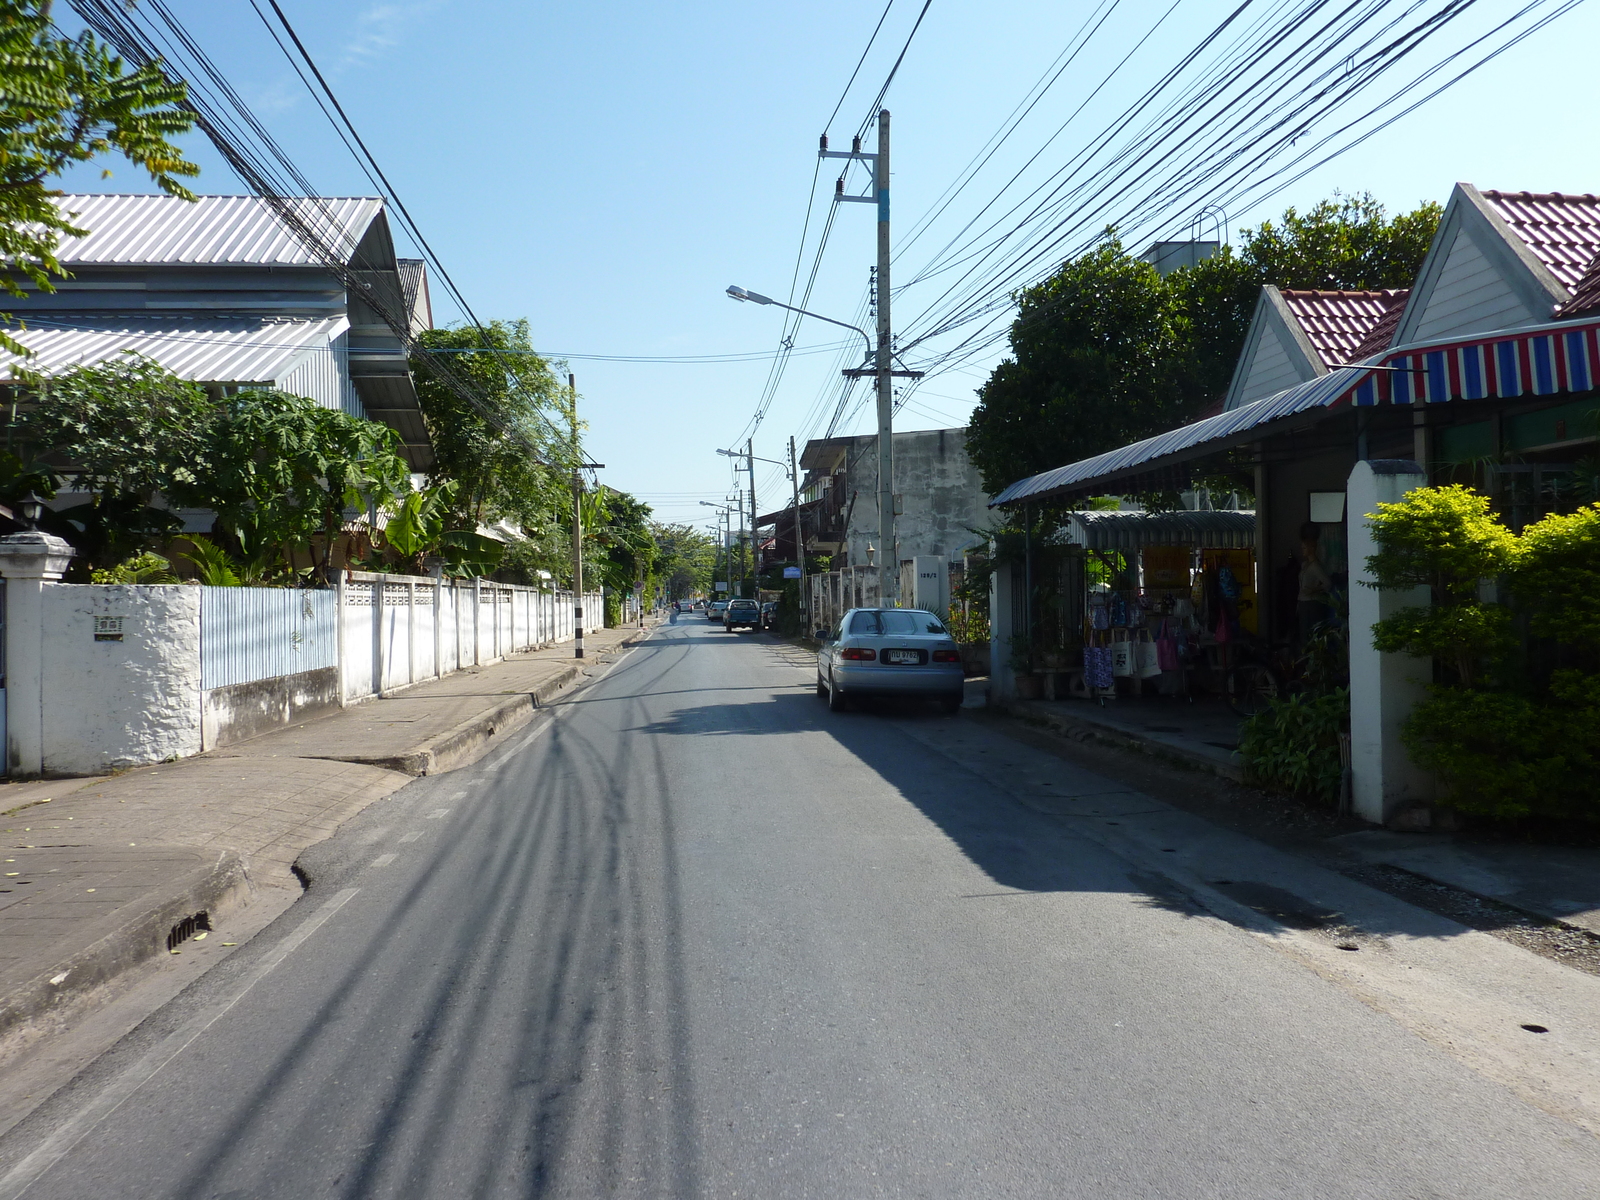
[{"x": 691, "y": 935}]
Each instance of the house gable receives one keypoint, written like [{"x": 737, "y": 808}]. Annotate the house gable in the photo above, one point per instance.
[
  {"x": 1277, "y": 354},
  {"x": 1480, "y": 274}
]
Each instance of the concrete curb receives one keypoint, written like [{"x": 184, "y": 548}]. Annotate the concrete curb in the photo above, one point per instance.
[
  {"x": 458, "y": 746},
  {"x": 216, "y": 891},
  {"x": 1091, "y": 731}
]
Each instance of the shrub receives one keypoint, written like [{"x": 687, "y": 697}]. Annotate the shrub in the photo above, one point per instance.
[
  {"x": 1445, "y": 538},
  {"x": 1505, "y": 742},
  {"x": 1507, "y": 755},
  {"x": 1557, "y": 577},
  {"x": 1293, "y": 744},
  {"x": 146, "y": 567}
]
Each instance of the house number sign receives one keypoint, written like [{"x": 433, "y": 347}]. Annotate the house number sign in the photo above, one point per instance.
[{"x": 108, "y": 629}]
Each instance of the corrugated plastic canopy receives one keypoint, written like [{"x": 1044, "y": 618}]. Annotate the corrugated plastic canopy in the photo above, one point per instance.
[
  {"x": 132, "y": 230},
  {"x": 1543, "y": 360},
  {"x": 203, "y": 349},
  {"x": 1207, "y": 528}
]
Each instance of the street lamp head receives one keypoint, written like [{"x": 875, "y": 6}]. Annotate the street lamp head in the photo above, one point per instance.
[{"x": 739, "y": 293}]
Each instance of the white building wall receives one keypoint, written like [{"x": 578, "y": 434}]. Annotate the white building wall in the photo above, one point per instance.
[
  {"x": 110, "y": 704},
  {"x": 1470, "y": 296},
  {"x": 324, "y": 376}
]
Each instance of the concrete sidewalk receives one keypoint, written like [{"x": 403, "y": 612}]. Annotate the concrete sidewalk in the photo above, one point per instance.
[
  {"x": 99, "y": 871},
  {"x": 1203, "y": 735}
]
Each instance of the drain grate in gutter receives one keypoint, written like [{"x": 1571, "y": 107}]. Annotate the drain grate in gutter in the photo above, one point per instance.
[{"x": 187, "y": 928}]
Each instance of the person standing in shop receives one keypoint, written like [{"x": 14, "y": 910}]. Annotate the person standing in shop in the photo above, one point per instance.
[{"x": 1315, "y": 583}]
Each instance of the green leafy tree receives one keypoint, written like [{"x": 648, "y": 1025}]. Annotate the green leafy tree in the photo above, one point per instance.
[
  {"x": 1106, "y": 352},
  {"x": 684, "y": 559},
  {"x": 65, "y": 101},
  {"x": 282, "y": 470},
  {"x": 126, "y": 431},
  {"x": 1094, "y": 349},
  {"x": 517, "y": 466}
]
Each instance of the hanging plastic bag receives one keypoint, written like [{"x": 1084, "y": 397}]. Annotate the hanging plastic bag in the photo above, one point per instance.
[{"x": 1167, "y": 648}]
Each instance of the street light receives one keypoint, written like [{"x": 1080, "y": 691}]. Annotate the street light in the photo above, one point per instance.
[
  {"x": 787, "y": 474},
  {"x": 884, "y": 369},
  {"x": 739, "y": 293}
]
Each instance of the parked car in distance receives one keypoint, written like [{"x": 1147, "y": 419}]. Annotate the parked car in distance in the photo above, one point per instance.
[
  {"x": 889, "y": 652},
  {"x": 769, "y": 614},
  {"x": 745, "y": 614},
  {"x": 715, "y": 609}
]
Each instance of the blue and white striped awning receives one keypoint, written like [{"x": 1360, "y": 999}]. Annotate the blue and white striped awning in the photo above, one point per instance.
[{"x": 1544, "y": 360}]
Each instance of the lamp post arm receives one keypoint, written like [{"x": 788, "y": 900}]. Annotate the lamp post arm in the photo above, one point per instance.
[{"x": 818, "y": 316}]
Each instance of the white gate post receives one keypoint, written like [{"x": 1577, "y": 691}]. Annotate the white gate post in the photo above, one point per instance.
[
  {"x": 28, "y": 561},
  {"x": 1002, "y": 679},
  {"x": 1383, "y": 687}
]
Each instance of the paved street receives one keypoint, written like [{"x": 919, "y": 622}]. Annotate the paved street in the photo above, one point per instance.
[{"x": 692, "y": 935}]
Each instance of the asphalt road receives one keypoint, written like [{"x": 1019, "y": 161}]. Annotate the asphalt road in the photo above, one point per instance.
[{"x": 694, "y": 936}]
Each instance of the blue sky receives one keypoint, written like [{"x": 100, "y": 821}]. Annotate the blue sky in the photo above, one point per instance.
[{"x": 607, "y": 169}]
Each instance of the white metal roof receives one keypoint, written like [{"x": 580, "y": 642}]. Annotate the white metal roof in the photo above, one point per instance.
[
  {"x": 130, "y": 230},
  {"x": 204, "y": 349}
]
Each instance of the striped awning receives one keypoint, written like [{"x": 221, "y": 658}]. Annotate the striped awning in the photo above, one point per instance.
[{"x": 1543, "y": 360}]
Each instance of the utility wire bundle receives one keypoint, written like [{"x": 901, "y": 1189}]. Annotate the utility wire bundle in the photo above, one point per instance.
[{"x": 1221, "y": 127}]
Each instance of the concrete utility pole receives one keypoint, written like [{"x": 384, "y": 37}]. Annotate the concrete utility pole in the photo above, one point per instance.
[
  {"x": 755, "y": 542},
  {"x": 799, "y": 541},
  {"x": 882, "y": 369},
  {"x": 888, "y": 555},
  {"x": 577, "y": 525}
]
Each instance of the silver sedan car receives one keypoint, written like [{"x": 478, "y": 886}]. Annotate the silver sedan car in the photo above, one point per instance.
[{"x": 889, "y": 652}]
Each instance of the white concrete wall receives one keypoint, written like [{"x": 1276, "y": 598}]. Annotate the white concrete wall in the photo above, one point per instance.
[
  {"x": 109, "y": 704},
  {"x": 941, "y": 496},
  {"x": 1383, "y": 687},
  {"x": 97, "y": 705}
]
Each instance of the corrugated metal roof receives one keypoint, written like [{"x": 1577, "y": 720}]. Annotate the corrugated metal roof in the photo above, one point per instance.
[
  {"x": 1206, "y": 528},
  {"x": 1561, "y": 228},
  {"x": 204, "y": 349},
  {"x": 140, "y": 230},
  {"x": 1543, "y": 360},
  {"x": 1336, "y": 323},
  {"x": 1315, "y": 393}
]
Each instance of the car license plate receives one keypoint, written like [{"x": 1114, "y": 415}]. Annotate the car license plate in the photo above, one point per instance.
[{"x": 902, "y": 656}]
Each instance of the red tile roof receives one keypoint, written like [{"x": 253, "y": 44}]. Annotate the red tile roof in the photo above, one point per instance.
[
  {"x": 1586, "y": 295},
  {"x": 1338, "y": 324},
  {"x": 1561, "y": 228},
  {"x": 1381, "y": 335}
]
